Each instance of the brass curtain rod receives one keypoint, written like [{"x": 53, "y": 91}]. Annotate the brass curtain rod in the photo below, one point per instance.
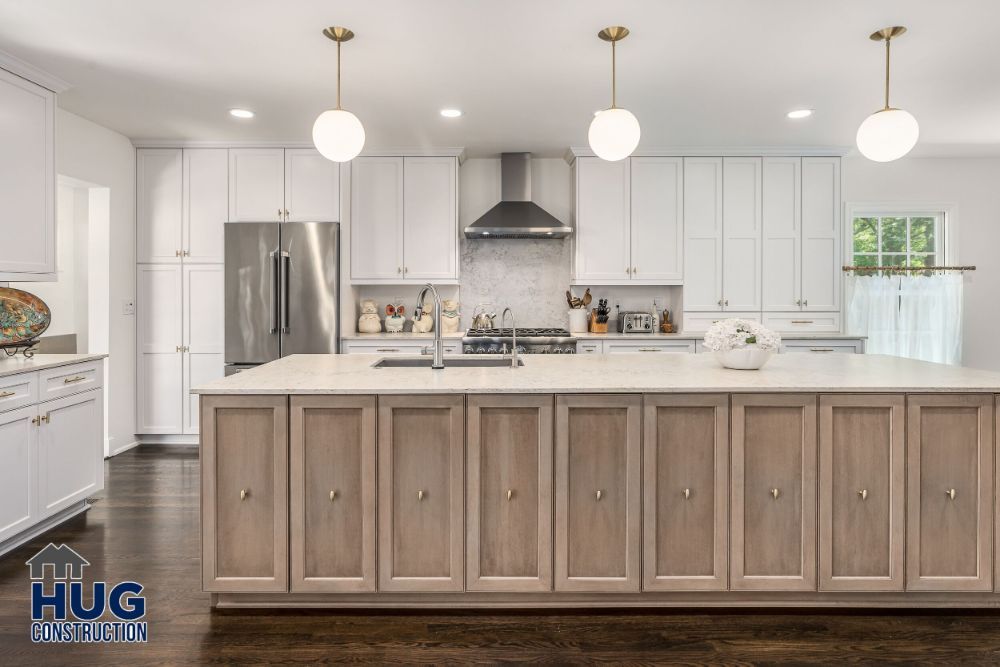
[{"x": 909, "y": 268}]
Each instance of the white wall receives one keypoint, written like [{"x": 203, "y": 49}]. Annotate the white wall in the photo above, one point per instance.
[
  {"x": 59, "y": 295},
  {"x": 97, "y": 155},
  {"x": 972, "y": 185}
]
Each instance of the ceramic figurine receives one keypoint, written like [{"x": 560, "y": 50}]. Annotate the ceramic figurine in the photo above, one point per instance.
[
  {"x": 394, "y": 318},
  {"x": 423, "y": 320},
  {"x": 450, "y": 317},
  {"x": 369, "y": 322}
]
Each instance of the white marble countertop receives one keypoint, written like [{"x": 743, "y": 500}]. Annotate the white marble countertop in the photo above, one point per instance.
[
  {"x": 22, "y": 364},
  {"x": 626, "y": 373}
]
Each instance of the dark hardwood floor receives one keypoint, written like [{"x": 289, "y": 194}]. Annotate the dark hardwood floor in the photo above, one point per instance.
[{"x": 145, "y": 527}]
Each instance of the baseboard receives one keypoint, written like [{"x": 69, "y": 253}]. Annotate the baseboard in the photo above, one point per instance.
[
  {"x": 168, "y": 440},
  {"x": 124, "y": 448},
  {"x": 43, "y": 526}
]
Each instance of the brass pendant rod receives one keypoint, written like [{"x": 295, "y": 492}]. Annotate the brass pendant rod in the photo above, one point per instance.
[
  {"x": 613, "y": 74},
  {"x": 338, "y": 75},
  {"x": 888, "y": 41}
]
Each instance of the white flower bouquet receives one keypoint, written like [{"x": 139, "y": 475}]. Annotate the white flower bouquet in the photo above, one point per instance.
[{"x": 741, "y": 344}]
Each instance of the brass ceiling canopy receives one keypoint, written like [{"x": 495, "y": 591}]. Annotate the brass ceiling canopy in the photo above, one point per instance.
[
  {"x": 885, "y": 34},
  {"x": 614, "y": 33},
  {"x": 339, "y": 33}
]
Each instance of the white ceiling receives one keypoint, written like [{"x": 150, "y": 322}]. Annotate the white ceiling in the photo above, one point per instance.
[{"x": 527, "y": 73}]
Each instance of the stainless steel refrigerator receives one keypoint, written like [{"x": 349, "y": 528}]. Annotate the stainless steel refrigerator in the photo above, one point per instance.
[{"x": 282, "y": 291}]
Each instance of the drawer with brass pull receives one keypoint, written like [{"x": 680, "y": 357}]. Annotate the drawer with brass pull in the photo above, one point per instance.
[
  {"x": 17, "y": 391},
  {"x": 66, "y": 380},
  {"x": 803, "y": 322}
]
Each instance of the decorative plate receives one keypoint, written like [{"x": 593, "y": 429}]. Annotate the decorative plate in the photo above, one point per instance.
[{"x": 23, "y": 316}]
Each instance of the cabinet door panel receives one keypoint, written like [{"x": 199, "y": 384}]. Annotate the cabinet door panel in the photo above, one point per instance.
[
  {"x": 204, "y": 334},
  {"x": 782, "y": 230},
  {"x": 741, "y": 212},
  {"x": 597, "y": 493},
  {"x": 18, "y": 482},
  {"x": 377, "y": 218},
  {"x": 206, "y": 203},
  {"x": 601, "y": 237},
  {"x": 430, "y": 220},
  {"x": 256, "y": 184},
  {"x": 774, "y": 492},
  {"x": 333, "y": 493},
  {"x": 657, "y": 215},
  {"x": 509, "y": 546},
  {"x": 244, "y": 479},
  {"x": 949, "y": 448},
  {"x": 27, "y": 177},
  {"x": 70, "y": 450},
  {"x": 312, "y": 186},
  {"x": 159, "y": 324},
  {"x": 821, "y": 233},
  {"x": 159, "y": 193},
  {"x": 420, "y": 478},
  {"x": 861, "y": 492},
  {"x": 685, "y": 487},
  {"x": 702, "y": 234}
]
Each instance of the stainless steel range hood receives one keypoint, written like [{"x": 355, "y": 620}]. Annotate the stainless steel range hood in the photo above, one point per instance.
[{"x": 516, "y": 216}]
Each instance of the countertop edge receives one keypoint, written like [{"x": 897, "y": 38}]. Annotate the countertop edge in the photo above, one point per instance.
[{"x": 41, "y": 362}]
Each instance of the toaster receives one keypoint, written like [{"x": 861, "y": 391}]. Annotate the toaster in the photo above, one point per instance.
[{"x": 635, "y": 322}]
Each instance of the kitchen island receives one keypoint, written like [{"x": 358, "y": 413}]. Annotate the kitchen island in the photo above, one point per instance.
[{"x": 821, "y": 480}]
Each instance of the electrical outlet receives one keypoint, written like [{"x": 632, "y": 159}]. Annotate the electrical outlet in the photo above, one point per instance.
[{"x": 128, "y": 307}]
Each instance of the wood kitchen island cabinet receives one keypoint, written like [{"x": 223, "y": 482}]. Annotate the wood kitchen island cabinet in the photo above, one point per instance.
[{"x": 647, "y": 496}]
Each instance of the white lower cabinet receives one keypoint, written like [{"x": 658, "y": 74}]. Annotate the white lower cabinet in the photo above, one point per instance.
[
  {"x": 700, "y": 322},
  {"x": 52, "y": 449},
  {"x": 802, "y": 322},
  {"x": 648, "y": 347},
  {"x": 203, "y": 339},
  {"x": 389, "y": 347}
]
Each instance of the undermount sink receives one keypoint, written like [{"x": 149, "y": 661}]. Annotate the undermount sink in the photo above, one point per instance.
[{"x": 449, "y": 362}]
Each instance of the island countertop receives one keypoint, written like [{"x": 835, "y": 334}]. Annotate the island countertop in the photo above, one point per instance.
[{"x": 626, "y": 373}]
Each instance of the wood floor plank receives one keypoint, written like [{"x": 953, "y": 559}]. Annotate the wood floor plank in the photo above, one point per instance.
[{"x": 145, "y": 527}]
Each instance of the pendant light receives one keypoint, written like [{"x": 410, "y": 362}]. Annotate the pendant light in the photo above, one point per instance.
[
  {"x": 337, "y": 133},
  {"x": 614, "y": 132},
  {"x": 888, "y": 134}
]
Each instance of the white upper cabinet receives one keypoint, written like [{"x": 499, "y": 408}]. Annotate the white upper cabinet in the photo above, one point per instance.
[
  {"x": 404, "y": 220},
  {"x": 821, "y": 233},
  {"x": 159, "y": 186},
  {"x": 741, "y": 225},
  {"x": 782, "y": 231},
  {"x": 312, "y": 187},
  {"x": 206, "y": 204},
  {"x": 27, "y": 180},
  {"x": 657, "y": 214},
  {"x": 702, "y": 234},
  {"x": 256, "y": 184},
  {"x": 601, "y": 238},
  {"x": 430, "y": 205}
]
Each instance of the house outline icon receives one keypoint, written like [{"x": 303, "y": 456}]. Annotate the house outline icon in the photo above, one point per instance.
[{"x": 60, "y": 558}]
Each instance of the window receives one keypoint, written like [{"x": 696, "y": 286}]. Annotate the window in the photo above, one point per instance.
[{"x": 898, "y": 239}]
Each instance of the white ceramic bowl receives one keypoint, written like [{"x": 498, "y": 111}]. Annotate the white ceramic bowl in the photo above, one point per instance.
[{"x": 748, "y": 358}]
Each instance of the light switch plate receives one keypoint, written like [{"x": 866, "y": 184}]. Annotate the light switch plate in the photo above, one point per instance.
[{"x": 128, "y": 307}]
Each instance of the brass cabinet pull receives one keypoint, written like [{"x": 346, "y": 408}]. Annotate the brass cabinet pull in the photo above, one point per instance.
[
  {"x": 805, "y": 303},
  {"x": 687, "y": 493},
  {"x": 775, "y": 493},
  {"x": 821, "y": 349},
  {"x": 635, "y": 270},
  {"x": 7, "y": 394},
  {"x": 950, "y": 493},
  {"x": 177, "y": 253},
  {"x": 244, "y": 493},
  {"x": 649, "y": 349},
  {"x": 45, "y": 419},
  {"x": 387, "y": 349},
  {"x": 37, "y": 421},
  {"x": 286, "y": 214},
  {"x": 802, "y": 321},
  {"x": 628, "y": 271},
  {"x": 187, "y": 253},
  {"x": 863, "y": 493},
  {"x": 510, "y": 493},
  {"x": 279, "y": 214},
  {"x": 600, "y": 494},
  {"x": 798, "y": 302},
  {"x": 725, "y": 302},
  {"x": 399, "y": 269},
  {"x": 420, "y": 494},
  {"x": 720, "y": 305},
  {"x": 78, "y": 378},
  {"x": 333, "y": 495}
]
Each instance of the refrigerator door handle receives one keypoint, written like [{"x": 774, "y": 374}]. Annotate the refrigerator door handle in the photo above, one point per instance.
[
  {"x": 286, "y": 262},
  {"x": 273, "y": 282}
]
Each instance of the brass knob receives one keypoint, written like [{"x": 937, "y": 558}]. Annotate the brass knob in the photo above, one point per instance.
[
  {"x": 510, "y": 493},
  {"x": 725, "y": 302},
  {"x": 950, "y": 493},
  {"x": 863, "y": 493},
  {"x": 244, "y": 493},
  {"x": 775, "y": 493},
  {"x": 279, "y": 214},
  {"x": 37, "y": 421},
  {"x": 48, "y": 418},
  {"x": 286, "y": 214},
  {"x": 599, "y": 494},
  {"x": 687, "y": 493},
  {"x": 333, "y": 496},
  {"x": 420, "y": 494}
]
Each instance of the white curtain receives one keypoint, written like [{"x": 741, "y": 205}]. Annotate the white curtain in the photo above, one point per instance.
[{"x": 908, "y": 316}]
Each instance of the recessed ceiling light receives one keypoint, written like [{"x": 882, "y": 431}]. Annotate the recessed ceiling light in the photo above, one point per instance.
[
  {"x": 241, "y": 113},
  {"x": 799, "y": 113},
  {"x": 451, "y": 113}
]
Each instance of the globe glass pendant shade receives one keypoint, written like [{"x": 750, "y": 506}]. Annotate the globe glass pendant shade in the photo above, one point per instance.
[
  {"x": 614, "y": 134},
  {"x": 338, "y": 135},
  {"x": 888, "y": 135}
]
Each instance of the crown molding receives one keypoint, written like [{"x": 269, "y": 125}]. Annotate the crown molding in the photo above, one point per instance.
[
  {"x": 456, "y": 152},
  {"x": 574, "y": 152},
  {"x": 26, "y": 70}
]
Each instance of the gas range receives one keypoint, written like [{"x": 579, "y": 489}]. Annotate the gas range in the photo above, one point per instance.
[{"x": 529, "y": 341}]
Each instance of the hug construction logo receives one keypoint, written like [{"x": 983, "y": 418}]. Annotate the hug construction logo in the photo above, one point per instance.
[{"x": 73, "y": 621}]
